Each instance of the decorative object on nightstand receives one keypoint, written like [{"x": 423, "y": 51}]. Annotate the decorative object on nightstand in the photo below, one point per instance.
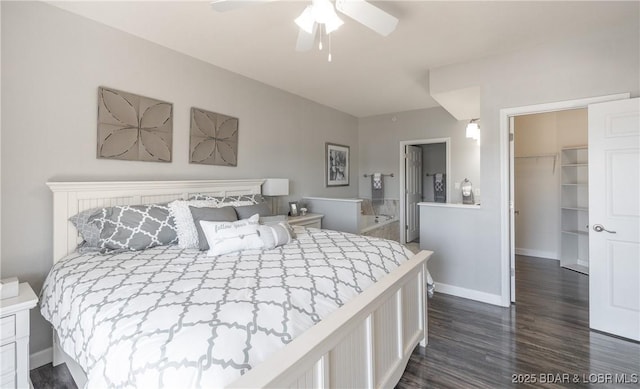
[
  {"x": 14, "y": 337},
  {"x": 273, "y": 187},
  {"x": 293, "y": 208},
  {"x": 313, "y": 220},
  {"x": 8, "y": 288}
]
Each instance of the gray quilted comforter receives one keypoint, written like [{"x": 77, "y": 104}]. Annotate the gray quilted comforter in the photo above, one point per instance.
[{"x": 172, "y": 318}]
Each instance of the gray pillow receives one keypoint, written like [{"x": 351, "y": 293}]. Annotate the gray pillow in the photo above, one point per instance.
[
  {"x": 275, "y": 235},
  {"x": 222, "y": 214},
  {"x": 89, "y": 231},
  {"x": 135, "y": 227},
  {"x": 246, "y": 211},
  {"x": 273, "y": 219},
  {"x": 280, "y": 220}
]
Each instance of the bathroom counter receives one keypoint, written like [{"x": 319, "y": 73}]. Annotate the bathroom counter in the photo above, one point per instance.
[{"x": 450, "y": 205}]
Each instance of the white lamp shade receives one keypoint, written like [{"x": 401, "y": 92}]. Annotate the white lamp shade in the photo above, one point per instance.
[{"x": 276, "y": 187}]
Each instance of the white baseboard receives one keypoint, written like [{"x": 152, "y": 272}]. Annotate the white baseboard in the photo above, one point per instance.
[
  {"x": 537, "y": 253},
  {"x": 476, "y": 295},
  {"x": 41, "y": 358}
]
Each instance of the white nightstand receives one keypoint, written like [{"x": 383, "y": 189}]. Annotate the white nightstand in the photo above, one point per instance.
[
  {"x": 14, "y": 338},
  {"x": 309, "y": 220}
]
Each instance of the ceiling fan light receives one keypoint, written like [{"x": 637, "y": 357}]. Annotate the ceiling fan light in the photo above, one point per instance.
[
  {"x": 333, "y": 23},
  {"x": 322, "y": 11},
  {"x": 306, "y": 20}
]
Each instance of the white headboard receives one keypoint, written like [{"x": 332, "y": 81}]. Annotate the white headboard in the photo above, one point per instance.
[{"x": 70, "y": 198}]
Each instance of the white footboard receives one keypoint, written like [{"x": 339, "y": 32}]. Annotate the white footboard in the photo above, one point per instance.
[{"x": 365, "y": 344}]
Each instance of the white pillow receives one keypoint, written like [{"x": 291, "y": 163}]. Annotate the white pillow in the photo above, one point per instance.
[
  {"x": 275, "y": 234},
  {"x": 227, "y": 237},
  {"x": 186, "y": 228}
]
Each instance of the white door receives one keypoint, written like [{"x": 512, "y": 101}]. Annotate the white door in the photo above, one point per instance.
[
  {"x": 512, "y": 209},
  {"x": 413, "y": 183},
  {"x": 614, "y": 217}
]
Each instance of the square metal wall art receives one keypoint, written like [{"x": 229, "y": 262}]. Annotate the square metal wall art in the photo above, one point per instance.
[
  {"x": 133, "y": 127},
  {"x": 213, "y": 138}
]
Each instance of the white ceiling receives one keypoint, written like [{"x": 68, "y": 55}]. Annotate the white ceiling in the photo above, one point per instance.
[{"x": 369, "y": 74}]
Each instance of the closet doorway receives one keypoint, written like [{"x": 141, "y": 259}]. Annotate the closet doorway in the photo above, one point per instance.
[
  {"x": 424, "y": 171},
  {"x": 550, "y": 187}
]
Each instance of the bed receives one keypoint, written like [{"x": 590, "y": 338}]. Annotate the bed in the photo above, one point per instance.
[{"x": 365, "y": 342}]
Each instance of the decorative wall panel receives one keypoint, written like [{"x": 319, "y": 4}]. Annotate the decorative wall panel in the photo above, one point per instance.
[
  {"x": 133, "y": 127},
  {"x": 214, "y": 138}
]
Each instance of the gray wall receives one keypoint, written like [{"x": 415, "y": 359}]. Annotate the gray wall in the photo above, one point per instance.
[
  {"x": 379, "y": 142},
  {"x": 434, "y": 160},
  {"x": 589, "y": 65},
  {"x": 52, "y": 65}
]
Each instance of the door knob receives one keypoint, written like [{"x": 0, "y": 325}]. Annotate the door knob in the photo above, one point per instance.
[{"x": 600, "y": 228}]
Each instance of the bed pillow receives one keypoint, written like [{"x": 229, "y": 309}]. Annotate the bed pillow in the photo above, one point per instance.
[
  {"x": 229, "y": 237},
  {"x": 278, "y": 219},
  {"x": 222, "y": 214},
  {"x": 274, "y": 235},
  {"x": 235, "y": 201},
  {"x": 187, "y": 232},
  {"x": 135, "y": 227},
  {"x": 246, "y": 211},
  {"x": 89, "y": 232}
]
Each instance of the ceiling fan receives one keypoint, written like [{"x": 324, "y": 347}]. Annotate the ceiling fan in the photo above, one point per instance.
[{"x": 321, "y": 14}]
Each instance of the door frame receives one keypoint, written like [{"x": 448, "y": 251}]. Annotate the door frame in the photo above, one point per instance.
[
  {"x": 403, "y": 189},
  {"x": 506, "y": 174}
]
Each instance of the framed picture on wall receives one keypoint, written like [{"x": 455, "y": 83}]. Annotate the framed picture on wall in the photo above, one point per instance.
[{"x": 336, "y": 164}]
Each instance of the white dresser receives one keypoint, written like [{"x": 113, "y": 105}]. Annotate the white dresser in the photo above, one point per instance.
[
  {"x": 313, "y": 220},
  {"x": 14, "y": 338}
]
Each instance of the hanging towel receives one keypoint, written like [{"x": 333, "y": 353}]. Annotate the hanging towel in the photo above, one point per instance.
[
  {"x": 377, "y": 180},
  {"x": 439, "y": 188},
  {"x": 377, "y": 189}
]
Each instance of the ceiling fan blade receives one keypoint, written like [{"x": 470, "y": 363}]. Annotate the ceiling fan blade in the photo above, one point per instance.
[
  {"x": 305, "y": 40},
  {"x": 368, "y": 15},
  {"x": 230, "y": 5}
]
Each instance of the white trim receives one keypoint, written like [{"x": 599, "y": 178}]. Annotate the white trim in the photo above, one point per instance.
[
  {"x": 537, "y": 253},
  {"x": 476, "y": 295},
  {"x": 403, "y": 143},
  {"x": 40, "y": 358},
  {"x": 505, "y": 179}
]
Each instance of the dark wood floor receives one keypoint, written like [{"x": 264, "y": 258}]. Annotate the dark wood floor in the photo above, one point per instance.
[{"x": 475, "y": 345}]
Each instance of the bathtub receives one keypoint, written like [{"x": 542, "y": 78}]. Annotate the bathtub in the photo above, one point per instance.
[{"x": 382, "y": 226}]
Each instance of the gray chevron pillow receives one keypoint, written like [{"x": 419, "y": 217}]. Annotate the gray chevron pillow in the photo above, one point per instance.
[{"x": 135, "y": 227}]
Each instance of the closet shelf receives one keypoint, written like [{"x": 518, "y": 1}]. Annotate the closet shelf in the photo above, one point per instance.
[
  {"x": 576, "y": 208},
  {"x": 536, "y": 156},
  {"x": 575, "y": 232}
]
